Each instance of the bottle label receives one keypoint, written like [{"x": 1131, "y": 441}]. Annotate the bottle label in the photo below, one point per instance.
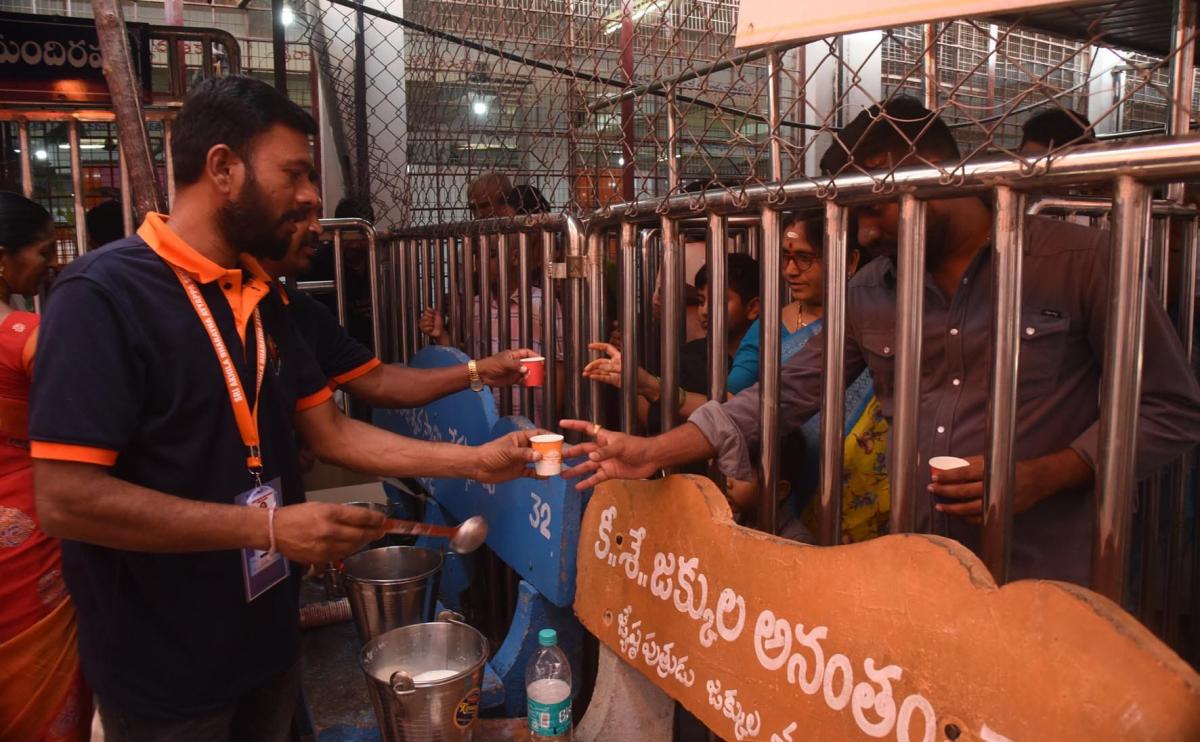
[{"x": 549, "y": 719}]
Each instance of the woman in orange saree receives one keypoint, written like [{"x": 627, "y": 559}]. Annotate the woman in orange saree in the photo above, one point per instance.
[{"x": 43, "y": 695}]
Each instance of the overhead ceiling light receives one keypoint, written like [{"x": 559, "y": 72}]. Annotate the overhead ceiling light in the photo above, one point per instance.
[
  {"x": 642, "y": 10},
  {"x": 621, "y": 161},
  {"x": 40, "y": 154},
  {"x": 479, "y": 107},
  {"x": 286, "y": 16}
]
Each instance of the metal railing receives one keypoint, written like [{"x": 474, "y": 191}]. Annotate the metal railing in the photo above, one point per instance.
[{"x": 1129, "y": 169}]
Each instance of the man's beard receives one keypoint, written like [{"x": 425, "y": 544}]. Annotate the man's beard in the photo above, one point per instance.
[{"x": 246, "y": 224}]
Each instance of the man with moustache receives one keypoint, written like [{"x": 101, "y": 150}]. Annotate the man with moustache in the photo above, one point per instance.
[
  {"x": 350, "y": 365},
  {"x": 170, "y": 379},
  {"x": 1064, "y": 306}
]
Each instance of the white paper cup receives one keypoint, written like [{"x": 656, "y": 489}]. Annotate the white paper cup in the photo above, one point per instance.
[
  {"x": 946, "y": 463},
  {"x": 550, "y": 446}
]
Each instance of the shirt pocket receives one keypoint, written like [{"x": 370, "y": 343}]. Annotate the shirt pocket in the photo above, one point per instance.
[
  {"x": 879, "y": 351},
  {"x": 1043, "y": 347}
]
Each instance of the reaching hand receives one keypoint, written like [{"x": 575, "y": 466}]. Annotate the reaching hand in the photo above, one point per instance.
[
  {"x": 432, "y": 324},
  {"x": 608, "y": 371},
  {"x": 318, "y": 532},
  {"x": 506, "y": 458},
  {"x": 605, "y": 370},
  {"x": 612, "y": 456},
  {"x": 961, "y": 489},
  {"x": 504, "y": 368}
]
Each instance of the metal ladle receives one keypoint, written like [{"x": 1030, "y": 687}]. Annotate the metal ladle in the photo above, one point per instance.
[{"x": 464, "y": 538}]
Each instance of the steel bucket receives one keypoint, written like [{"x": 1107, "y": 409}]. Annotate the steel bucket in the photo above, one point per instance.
[
  {"x": 391, "y": 587},
  {"x": 409, "y": 708}
]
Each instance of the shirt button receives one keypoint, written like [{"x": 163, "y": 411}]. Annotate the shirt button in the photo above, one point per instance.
[
  {"x": 956, "y": 382},
  {"x": 941, "y": 429},
  {"x": 953, "y": 330},
  {"x": 887, "y": 349},
  {"x": 1029, "y": 330}
]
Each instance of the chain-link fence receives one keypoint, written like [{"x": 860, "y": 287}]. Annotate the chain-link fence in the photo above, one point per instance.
[{"x": 597, "y": 102}]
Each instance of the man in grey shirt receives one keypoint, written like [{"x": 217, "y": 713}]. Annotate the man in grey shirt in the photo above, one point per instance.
[{"x": 1064, "y": 304}]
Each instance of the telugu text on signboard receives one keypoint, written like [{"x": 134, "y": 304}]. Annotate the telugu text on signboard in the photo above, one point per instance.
[{"x": 904, "y": 638}]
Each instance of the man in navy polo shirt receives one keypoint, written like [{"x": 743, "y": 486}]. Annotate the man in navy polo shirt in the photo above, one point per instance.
[
  {"x": 352, "y": 366},
  {"x": 169, "y": 379}
]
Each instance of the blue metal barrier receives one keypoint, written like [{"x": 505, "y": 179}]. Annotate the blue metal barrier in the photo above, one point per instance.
[{"x": 533, "y": 526}]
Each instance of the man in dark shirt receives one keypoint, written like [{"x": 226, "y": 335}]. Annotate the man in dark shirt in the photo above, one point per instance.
[
  {"x": 350, "y": 365},
  {"x": 1064, "y": 315},
  {"x": 169, "y": 469}
]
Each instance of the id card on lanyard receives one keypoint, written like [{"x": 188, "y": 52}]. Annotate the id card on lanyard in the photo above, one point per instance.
[{"x": 261, "y": 570}]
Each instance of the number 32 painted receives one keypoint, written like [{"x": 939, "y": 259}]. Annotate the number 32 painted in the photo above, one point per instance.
[{"x": 540, "y": 517}]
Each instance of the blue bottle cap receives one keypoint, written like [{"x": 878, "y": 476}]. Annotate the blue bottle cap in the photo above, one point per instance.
[{"x": 547, "y": 637}]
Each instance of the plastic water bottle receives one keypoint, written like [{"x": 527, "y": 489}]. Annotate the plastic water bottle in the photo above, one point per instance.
[{"x": 548, "y": 687}]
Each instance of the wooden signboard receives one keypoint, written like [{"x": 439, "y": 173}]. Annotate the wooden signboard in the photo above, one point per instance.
[{"x": 902, "y": 638}]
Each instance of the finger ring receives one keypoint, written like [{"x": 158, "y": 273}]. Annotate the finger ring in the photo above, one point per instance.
[{"x": 596, "y": 429}]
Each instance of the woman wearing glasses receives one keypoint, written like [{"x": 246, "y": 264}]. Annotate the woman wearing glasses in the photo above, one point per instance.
[{"x": 865, "y": 496}]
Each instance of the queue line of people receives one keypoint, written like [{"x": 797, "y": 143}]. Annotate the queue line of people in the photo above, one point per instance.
[{"x": 1064, "y": 330}]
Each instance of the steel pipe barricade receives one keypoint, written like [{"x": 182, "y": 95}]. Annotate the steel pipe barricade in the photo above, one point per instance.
[
  {"x": 1000, "y": 462},
  {"x": 1160, "y": 260},
  {"x": 595, "y": 317},
  {"x": 550, "y": 332},
  {"x": 433, "y": 265},
  {"x": 717, "y": 260},
  {"x": 673, "y": 298},
  {"x": 404, "y": 314},
  {"x": 338, "y": 226},
  {"x": 910, "y": 312},
  {"x": 1188, "y": 288},
  {"x": 504, "y": 311},
  {"x": 412, "y": 271},
  {"x": 651, "y": 285},
  {"x": 420, "y": 281},
  {"x": 438, "y": 300},
  {"x": 576, "y": 249},
  {"x": 316, "y": 287},
  {"x": 1121, "y": 385},
  {"x": 770, "y": 349},
  {"x": 454, "y": 326},
  {"x": 525, "y": 314},
  {"x": 485, "y": 297},
  {"x": 471, "y": 344},
  {"x": 833, "y": 406},
  {"x": 339, "y": 277},
  {"x": 630, "y": 337}
]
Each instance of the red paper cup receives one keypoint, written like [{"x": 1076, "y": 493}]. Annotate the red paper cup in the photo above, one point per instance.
[{"x": 535, "y": 371}]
